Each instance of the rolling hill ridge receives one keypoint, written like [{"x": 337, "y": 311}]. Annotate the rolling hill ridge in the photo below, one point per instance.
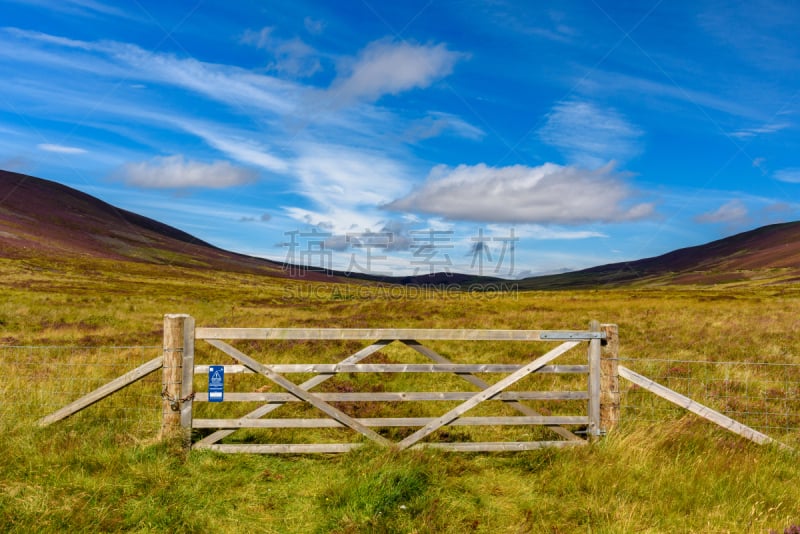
[
  {"x": 766, "y": 254},
  {"x": 43, "y": 219}
]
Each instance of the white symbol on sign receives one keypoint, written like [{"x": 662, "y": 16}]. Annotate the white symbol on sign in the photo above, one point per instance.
[{"x": 216, "y": 378}]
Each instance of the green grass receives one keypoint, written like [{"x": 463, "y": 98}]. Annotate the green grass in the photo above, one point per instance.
[
  {"x": 103, "y": 471},
  {"x": 684, "y": 477}
]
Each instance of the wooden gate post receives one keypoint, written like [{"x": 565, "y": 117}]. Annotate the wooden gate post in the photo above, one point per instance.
[
  {"x": 594, "y": 383},
  {"x": 609, "y": 379},
  {"x": 178, "y": 374}
]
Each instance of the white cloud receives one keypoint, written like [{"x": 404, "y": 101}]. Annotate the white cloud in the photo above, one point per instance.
[
  {"x": 60, "y": 149},
  {"x": 291, "y": 56},
  {"x": 336, "y": 220},
  {"x": 732, "y": 212},
  {"x": 548, "y": 194},
  {"x": 338, "y": 176},
  {"x": 388, "y": 68},
  {"x": 746, "y": 133},
  {"x": 590, "y": 136},
  {"x": 791, "y": 175},
  {"x": 174, "y": 172},
  {"x": 345, "y": 185}
]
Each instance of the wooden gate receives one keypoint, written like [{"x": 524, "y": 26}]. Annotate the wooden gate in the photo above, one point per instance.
[
  {"x": 601, "y": 408},
  {"x": 601, "y": 391}
]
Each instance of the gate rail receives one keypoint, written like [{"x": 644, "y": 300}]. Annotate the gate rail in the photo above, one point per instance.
[{"x": 593, "y": 422}]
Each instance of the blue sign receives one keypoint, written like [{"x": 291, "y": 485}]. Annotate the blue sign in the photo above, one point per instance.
[{"x": 216, "y": 383}]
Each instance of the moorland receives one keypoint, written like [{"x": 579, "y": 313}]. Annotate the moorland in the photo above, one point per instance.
[{"x": 99, "y": 473}]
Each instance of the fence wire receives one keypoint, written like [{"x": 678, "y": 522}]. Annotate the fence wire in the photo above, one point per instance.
[
  {"x": 764, "y": 396},
  {"x": 38, "y": 380}
]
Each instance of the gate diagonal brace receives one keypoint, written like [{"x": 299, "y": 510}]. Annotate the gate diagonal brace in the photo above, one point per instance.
[
  {"x": 486, "y": 394},
  {"x": 298, "y": 392},
  {"x": 474, "y": 380},
  {"x": 308, "y": 384}
]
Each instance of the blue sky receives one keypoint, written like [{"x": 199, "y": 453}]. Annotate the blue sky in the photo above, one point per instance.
[{"x": 496, "y": 137}]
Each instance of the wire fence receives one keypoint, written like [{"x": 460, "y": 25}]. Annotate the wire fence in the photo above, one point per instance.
[
  {"x": 764, "y": 396},
  {"x": 38, "y": 380}
]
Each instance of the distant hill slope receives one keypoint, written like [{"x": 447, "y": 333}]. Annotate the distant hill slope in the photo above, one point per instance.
[
  {"x": 767, "y": 254},
  {"x": 40, "y": 218},
  {"x": 44, "y": 219}
]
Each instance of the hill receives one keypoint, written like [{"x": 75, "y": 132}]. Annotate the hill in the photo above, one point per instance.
[
  {"x": 767, "y": 254},
  {"x": 44, "y": 219}
]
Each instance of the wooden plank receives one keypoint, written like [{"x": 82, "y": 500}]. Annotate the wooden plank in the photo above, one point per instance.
[
  {"x": 501, "y": 446},
  {"x": 102, "y": 392},
  {"x": 308, "y": 384},
  {"x": 385, "y": 396},
  {"x": 331, "y": 368},
  {"x": 486, "y": 394},
  {"x": 333, "y": 448},
  {"x": 389, "y": 333},
  {"x": 299, "y": 392},
  {"x": 699, "y": 409},
  {"x": 380, "y": 422},
  {"x": 594, "y": 382},
  {"x": 187, "y": 385},
  {"x": 474, "y": 380},
  {"x": 299, "y": 448}
]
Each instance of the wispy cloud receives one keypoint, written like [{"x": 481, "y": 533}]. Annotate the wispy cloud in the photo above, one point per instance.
[
  {"x": 541, "y": 232},
  {"x": 343, "y": 176},
  {"x": 84, "y": 8},
  {"x": 731, "y": 213},
  {"x": 548, "y": 194},
  {"x": 757, "y": 31},
  {"x": 616, "y": 84},
  {"x": 60, "y": 149},
  {"x": 237, "y": 145},
  {"x": 314, "y": 26},
  {"x": 436, "y": 124},
  {"x": 791, "y": 175},
  {"x": 175, "y": 172},
  {"x": 590, "y": 136},
  {"x": 746, "y": 133},
  {"x": 343, "y": 184},
  {"x": 292, "y": 57},
  {"x": 264, "y": 217}
]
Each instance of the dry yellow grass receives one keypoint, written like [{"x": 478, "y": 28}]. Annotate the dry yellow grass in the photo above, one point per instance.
[{"x": 102, "y": 472}]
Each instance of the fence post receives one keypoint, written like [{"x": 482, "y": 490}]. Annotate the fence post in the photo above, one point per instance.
[
  {"x": 177, "y": 378},
  {"x": 594, "y": 383},
  {"x": 609, "y": 379}
]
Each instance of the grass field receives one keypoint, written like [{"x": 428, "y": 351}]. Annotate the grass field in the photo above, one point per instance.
[{"x": 102, "y": 472}]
